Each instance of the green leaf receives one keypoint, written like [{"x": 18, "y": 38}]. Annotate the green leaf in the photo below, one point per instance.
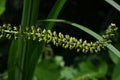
[
  {"x": 21, "y": 49},
  {"x": 15, "y": 59},
  {"x": 114, "y": 58},
  {"x": 12, "y": 59},
  {"x": 114, "y": 4},
  {"x": 97, "y": 71},
  {"x": 34, "y": 49},
  {"x": 47, "y": 70},
  {"x": 68, "y": 73},
  {"x": 59, "y": 60},
  {"x": 116, "y": 72},
  {"x": 5, "y": 75},
  {"x": 32, "y": 60},
  {"x": 54, "y": 13},
  {"x": 31, "y": 55},
  {"x": 2, "y": 6}
]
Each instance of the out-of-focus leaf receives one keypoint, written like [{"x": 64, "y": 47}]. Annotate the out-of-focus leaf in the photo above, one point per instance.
[
  {"x": 2, "y": 6},
  {"x": 47, "y": 70},
  {"x": 68, "y": 73},
  {"x": 114, "y": 57},
  {"x": 5, "y": 76},
  {"x": 97, "y": 71},
  {"x": 12, "y": 58},
  {"x": 59, "y": 61},
  {"x": 114, "y": 4},
  {"x": 116, "y": 72}
]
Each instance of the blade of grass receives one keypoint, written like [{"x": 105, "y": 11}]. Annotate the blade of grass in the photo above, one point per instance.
[
  {"x": 31, "y": 58},
  {"x": 20, "y": 58},
  {"x": 54, "y": 13},
  {"x": 30, "y": 12},
  {"x": 2, "y": 6},
  {"x": 26, "y": 58},
  {"x": 114, "y": 4},
  {"x": 113, "y": 49},
  {"x": 87, "y": 30},
  {"x": 12, "y": 60},
  {"x": 34, "y": 58},
  {"x": 15, "y": 59}
]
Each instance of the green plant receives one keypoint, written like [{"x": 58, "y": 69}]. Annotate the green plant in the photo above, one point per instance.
[
  {"x": 2, "y": 6},
  {"x": 37, "y": 34},
  {"x": 27, "y": 53},
  {"x": 29, "y": 41},
  {"x": 116, "y": 60}
]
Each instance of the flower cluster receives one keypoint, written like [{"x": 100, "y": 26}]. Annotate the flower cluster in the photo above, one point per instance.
[
  {"x": 59, "y": 39},
  {"x": 110, "y": 32},
  {"x": 6, "y": 31}
]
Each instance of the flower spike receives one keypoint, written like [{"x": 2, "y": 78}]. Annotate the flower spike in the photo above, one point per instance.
[{"x": 33, "y": 33}]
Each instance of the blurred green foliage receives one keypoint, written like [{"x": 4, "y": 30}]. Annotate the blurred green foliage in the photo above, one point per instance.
[{"x": 2, "y": 6}]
